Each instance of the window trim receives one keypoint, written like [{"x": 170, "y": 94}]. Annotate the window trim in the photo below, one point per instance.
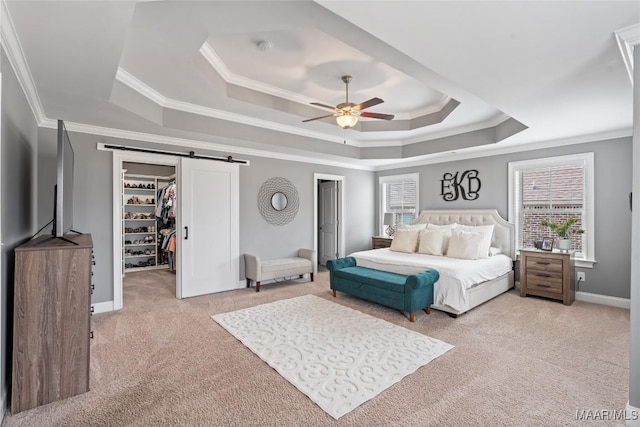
[
  {"x": 388, "y": 179},
  {"x": 589, "y": 191}
]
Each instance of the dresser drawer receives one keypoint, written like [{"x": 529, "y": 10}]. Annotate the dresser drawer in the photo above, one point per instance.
[{"x": 545, "y": 264}]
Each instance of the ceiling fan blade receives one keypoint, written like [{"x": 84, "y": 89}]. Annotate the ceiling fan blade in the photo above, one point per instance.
[
  {"x": 377, "y": 116},
  {"x": 318, "y": 118},
  {"x": 369, "y": 103},
  {"x": 317, "y": 104}
]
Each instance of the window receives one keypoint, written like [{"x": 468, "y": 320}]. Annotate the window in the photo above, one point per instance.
[
  {"x": 553, "y": 189},
  {"x": 399, "y": 196}
]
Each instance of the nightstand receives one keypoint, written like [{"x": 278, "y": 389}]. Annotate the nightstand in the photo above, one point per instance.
[
  {"x": 548, "y": 274},
  {"x": 378, "y": 242}
]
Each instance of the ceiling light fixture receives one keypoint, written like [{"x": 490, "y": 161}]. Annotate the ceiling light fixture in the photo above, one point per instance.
[{"x": 347, "y": 120}]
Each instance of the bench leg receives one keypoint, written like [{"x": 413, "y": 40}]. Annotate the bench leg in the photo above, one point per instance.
[
  {"x": 248, "y": 282},
  {"x": 427, "y": 309},
  {"x": 412, "y": 317},
  {"x": 334, "y": 293},
  {"x": 257, "y": 286},
  {"x": 312, "y": 277}
]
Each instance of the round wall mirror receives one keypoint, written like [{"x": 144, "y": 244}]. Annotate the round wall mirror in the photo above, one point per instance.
[{"x": 279, "y": 201}]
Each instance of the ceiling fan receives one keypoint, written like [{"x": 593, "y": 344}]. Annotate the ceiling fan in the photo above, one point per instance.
[{"x": 347, "y": 113}]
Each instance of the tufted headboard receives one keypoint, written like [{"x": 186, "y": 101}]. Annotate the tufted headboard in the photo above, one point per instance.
[{"x": 503, "y": 232}]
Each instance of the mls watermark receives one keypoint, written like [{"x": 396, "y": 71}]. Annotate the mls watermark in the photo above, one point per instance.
[{"x": 607, "y": 415}]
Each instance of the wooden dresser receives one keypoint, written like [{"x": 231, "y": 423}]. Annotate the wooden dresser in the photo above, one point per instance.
[
  {"x": 548, "y": 274},
  {"x": 51, "y": 320},
  {"x": 378, "y": 242}
]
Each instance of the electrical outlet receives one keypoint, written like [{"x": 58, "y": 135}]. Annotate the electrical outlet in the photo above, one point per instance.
[{"x": 580, "y": 276}]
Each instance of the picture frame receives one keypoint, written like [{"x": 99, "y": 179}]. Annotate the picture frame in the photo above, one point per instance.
[{"x": 547, "y": 244}]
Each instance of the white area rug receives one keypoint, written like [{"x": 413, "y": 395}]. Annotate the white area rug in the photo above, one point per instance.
[{"x": 337, "y": 356}]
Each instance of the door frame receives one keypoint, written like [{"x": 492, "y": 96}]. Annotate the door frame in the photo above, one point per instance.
[
  {"x": 135, "y": 157},
  {"x": 341, "y": 206}
]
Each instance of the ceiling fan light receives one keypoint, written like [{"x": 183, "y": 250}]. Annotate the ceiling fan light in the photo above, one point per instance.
[{"x": 346, "y": 121}]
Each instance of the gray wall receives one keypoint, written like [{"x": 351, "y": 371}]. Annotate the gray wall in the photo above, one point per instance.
[
  {"x": 612, "y": 158},
  {"x": 19, "y": 145},
  {"x": 93, "y": 207},
  {"x": 634, "y": 333}
]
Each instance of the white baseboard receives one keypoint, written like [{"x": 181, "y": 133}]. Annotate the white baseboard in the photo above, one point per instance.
[
  {"x": 632, "y": 416},
  {"x": 102, "y": 307},
  {"x": 603, "y": 299}
]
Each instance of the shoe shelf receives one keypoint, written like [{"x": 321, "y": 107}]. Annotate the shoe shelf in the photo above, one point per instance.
[{"x": 136, "y": 201}]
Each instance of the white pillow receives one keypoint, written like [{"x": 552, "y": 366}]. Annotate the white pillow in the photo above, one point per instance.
[
  {"x": 494, "y": 251},
  {"x": 412, "y": 226},
  {"x": 465, "y": 244},
  {"x": 405, "y": 241},
  {"x": 486, "y": 231},
  {"x": 447, "y": 233},
  {"x": 431, "y": 242}
]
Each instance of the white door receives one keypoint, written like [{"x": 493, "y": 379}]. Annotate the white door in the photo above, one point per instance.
[
  {"x": 328, "y": 221},
  {"x": 208, "y": 256}
]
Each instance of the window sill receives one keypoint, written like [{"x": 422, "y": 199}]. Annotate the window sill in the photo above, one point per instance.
[{"x": 585, "y": 263}]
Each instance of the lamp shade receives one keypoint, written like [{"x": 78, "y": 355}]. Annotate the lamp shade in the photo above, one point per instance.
[
  {"x": 346, "y": 121},
  {"x": 388, "y": 219}
]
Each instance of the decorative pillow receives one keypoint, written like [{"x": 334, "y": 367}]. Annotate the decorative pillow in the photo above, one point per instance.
[
  {"x": 465, "y": 244},
  {"x": 412, "y": 226},
  {"x": 486, "y": 231},
  {"x": 447, "y": 233},
  {"x": 431, "y": 242},
  {"x": 405, "y": 241},
  {"x": 494, "y": 251}
]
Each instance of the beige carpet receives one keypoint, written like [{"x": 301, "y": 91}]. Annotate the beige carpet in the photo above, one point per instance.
[{"x": 517, "y": 361}]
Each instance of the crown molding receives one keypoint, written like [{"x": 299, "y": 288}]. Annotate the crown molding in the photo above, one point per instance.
[
  {"x": 221, "y": 68},
  {"x": 203, "y": 145},
  {"x": 15, "y": 54},
  {"x": 139, "y": 86},
  {"x": 501, "y": 148},
  {"x": 143, "y": 89},
  {"x": 493, "y": 122},
  {"x": 627, "y": 38},
  {"x": 239, "y": 118}
]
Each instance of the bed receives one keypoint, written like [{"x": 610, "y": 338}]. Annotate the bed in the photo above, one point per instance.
[{"x": 463, "y": 284}]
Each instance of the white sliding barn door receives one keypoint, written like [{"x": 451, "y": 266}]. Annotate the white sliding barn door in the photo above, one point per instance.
[{"x": 209, "y": 201}]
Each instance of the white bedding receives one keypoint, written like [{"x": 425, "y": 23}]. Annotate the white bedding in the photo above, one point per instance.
[{"x": 456, "y": 275}]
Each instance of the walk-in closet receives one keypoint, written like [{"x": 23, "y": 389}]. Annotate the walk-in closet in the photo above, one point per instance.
[{"x": 149, "y": 210}]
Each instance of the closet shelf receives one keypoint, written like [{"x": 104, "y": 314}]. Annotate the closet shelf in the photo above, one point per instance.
[{"x": 143, "y": 226}]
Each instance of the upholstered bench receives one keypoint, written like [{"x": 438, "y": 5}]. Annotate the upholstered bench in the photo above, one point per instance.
[
  {"x": 407, "y": 293},
  {"x": 258, "y": 270}
]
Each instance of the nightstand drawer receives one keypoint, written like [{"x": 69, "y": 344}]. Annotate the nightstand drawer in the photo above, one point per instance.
[
  {"x": 544, "y": 264},
  {"x": 543, "y": 284},
  {"x": 380, "y": 242},
  {"x": 547, "y": 274},
  {"x": 551, "y": 277}
]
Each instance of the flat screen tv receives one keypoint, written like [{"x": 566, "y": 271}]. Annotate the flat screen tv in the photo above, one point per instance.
[{"x": 63, "y": 211}]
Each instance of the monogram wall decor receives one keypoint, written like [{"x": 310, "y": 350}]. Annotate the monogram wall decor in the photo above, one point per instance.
[{"x": 465, "y": 185}]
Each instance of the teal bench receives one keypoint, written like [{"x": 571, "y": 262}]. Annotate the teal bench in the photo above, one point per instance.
[{"x": 407, "y": 293}]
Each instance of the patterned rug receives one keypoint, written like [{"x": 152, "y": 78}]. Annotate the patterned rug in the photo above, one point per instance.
[{"x": 337, "y": 356}]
